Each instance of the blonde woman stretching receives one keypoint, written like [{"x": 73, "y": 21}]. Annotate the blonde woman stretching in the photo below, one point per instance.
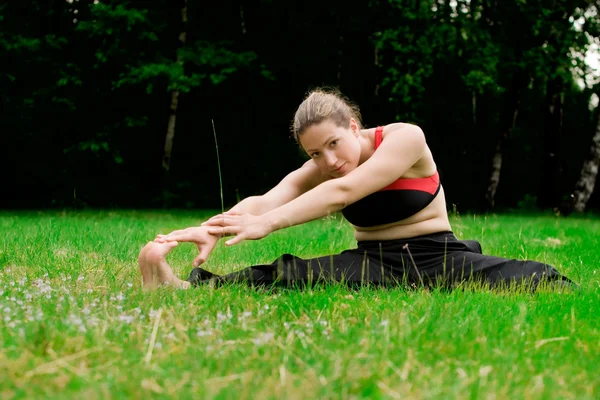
[{"x": 386, "y": 184}]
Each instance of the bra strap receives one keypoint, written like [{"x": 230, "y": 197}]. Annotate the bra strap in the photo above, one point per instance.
[{"x": 378, "y": 136}]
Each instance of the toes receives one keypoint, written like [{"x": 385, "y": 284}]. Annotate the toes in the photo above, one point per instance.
[{"x": 153, "y": 252}]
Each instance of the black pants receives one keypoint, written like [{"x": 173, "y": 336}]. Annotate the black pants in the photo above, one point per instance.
[{"x": 438, "y": 259}]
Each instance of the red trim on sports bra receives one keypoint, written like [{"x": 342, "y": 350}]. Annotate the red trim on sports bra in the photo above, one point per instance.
[
  {"x": 429, "y": 184},
  {"x": 378, "y": 136}
]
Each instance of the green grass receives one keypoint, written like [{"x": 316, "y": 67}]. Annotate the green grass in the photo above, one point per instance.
[{"x": 74, "y": 322}]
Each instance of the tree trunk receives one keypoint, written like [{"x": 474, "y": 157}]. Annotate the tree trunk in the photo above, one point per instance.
[
  {"x": 553, "y": 126},
  {"x": 242, "y": 20},
  {"x": 166, "y": 161},
  {"x": 340, "y": 55},
  {"x": 508, "y": 121},
  {"x": 474, "y": 107},
  {"x": 587, "y": 179},
  {"x": 490, "y": 195}
]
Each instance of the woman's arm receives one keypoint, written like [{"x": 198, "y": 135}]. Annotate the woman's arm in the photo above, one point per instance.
[
  {"x": 293, "y": 185},
  {"x": 403, "y": 146}
]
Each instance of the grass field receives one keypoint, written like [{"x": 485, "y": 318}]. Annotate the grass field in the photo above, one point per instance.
[{"x": 74, "y": 322}]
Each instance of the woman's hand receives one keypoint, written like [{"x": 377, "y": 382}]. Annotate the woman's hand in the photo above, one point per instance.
[
  {"x": 200, "y": 236},
  {"x": 243, "y": 226}
]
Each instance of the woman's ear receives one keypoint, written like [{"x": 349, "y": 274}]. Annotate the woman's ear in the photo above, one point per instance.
[{"x": 354, "y": 127}]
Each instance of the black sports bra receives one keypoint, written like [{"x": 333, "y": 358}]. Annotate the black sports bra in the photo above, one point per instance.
[{"x": 395, "y": 202}]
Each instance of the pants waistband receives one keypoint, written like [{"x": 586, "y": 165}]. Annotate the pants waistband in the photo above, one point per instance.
[{"x": 449, "y": 235}]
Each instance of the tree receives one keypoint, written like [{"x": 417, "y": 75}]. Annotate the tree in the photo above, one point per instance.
[
  {"x": 208, "y": 62},
  {"x": 587, "y": 178}
]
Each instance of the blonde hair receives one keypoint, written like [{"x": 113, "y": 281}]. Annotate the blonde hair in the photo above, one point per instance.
[{"x": 321, "y": 105}]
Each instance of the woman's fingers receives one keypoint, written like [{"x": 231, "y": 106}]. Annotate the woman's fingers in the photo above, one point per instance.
[
  {"x": 223, "y": 221},
  {"x": 160, "y": 238},
  {"x": 198, "y": 260},
  {"x": 234, "y": 240},
  {"x": 229, "y": 230},
  {"x": 213, "y": 222},
  {"x": 181, "y": 236},
  {"x": 203, "y": 256},
  {"x": 224, "y": 230},
  {"x": 218, "y": 219}
]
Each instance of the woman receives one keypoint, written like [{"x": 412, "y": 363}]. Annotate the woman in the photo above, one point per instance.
[{"x": 384, "y": 181}]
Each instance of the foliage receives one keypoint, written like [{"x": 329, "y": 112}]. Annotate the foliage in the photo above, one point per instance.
[{"x": 85, "y": 84}]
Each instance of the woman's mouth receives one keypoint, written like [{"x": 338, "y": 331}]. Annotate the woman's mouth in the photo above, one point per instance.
[{"x": 339, "y": 169}]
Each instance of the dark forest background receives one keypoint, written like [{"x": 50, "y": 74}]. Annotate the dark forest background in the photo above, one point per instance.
[{"x": 91, "y": 91}]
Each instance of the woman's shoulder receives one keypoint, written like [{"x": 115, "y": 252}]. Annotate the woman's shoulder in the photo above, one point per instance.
[
  {"x": 386, "y": 129},
  {"x": 372, "y": 135},
  {"x": 423, "y": 167}
]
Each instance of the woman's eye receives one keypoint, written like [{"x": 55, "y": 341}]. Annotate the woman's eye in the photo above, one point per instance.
[
  {"x": 314, "y": 155},
  {"x": 333, "y": 143}
]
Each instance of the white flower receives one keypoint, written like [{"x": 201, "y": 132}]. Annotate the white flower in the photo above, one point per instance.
[
  {"x": 222, "y": 317},
  {"x": 263, "y": 338},
  {"x": 126, "y": 318}
]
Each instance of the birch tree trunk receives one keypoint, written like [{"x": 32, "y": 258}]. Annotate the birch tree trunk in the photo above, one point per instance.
[
  {"x": 166, "y": 161},
  {"x": 340, "y": 55},
  {"x": 376, "y": 62},
  {"x": 490, "y": 195},
  {"x": 242, "y": 20},
  {"x": 587, "y": 179}
]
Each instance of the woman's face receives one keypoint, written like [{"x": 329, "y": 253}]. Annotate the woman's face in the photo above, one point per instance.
[{"x": 335, "y": 150}]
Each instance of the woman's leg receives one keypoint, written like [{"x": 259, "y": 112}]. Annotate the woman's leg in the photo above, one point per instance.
[
  {"x": 350, "y": 266},
  {"x": 451, "y": 261}
]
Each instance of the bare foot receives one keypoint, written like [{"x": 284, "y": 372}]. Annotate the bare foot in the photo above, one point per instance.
[{"x": 155, "y": 269}]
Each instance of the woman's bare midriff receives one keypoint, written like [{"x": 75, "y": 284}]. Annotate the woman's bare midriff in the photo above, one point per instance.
[{"x": 431, "y": 219}]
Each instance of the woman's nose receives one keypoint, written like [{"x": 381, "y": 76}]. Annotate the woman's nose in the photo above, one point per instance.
[{"x": 330, "y": 159}]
